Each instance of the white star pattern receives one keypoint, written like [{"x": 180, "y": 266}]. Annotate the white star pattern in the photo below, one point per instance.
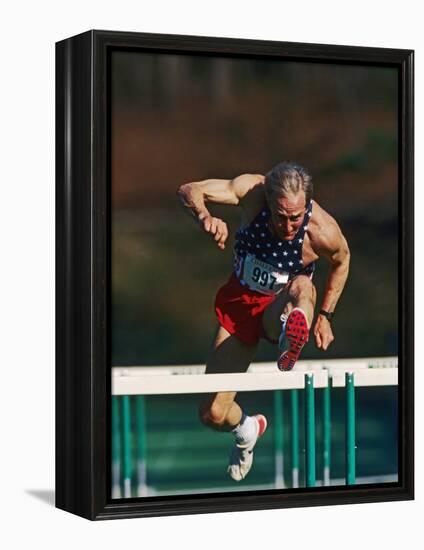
[{"x": 257, "y": 239}]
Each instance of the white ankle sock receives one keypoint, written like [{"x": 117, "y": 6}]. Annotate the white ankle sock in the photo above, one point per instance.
[{"x": 247, "y": 430}]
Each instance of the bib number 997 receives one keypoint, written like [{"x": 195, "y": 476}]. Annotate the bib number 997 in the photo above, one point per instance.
[{"x": 263, "y": 278}]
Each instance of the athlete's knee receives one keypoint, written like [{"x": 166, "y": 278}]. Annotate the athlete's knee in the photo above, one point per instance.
[
  {"x": 212, "y": 414},
  {"x": 303, "y": 287}
]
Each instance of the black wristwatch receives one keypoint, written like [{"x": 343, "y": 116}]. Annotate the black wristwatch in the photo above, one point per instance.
[{"x": 327, "y": 314}]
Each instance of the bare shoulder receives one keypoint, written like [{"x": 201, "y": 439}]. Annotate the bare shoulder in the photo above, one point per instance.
[
  {"x": 324, "y": 232},
  {"x": 246, "y": 186}
]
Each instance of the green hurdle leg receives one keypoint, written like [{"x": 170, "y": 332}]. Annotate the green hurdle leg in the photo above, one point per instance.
[
  {"x": 116, "y": 448},
  {"x": 295, "y": 437},
  {"x": 126, "y": 446},
  {"x": 326, "y": 434},
  {"x": 350, "y": 429},
  {"x": 310, "y": 430},
  {"x": 141, "y": 445},
  {"x": 278, "y": 439}
]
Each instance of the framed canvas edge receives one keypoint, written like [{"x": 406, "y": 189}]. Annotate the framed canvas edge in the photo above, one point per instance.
[{"x": 83, "y": 257}]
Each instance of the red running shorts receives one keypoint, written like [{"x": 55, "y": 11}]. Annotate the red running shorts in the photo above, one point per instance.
[{"x": 240, "y": 310}]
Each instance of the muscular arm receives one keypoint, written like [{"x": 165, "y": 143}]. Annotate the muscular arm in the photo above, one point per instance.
[
  {"x": 195, "y": 195},
  {"x": 339, "y": 271},
  {"x": 330, "y": 243}
]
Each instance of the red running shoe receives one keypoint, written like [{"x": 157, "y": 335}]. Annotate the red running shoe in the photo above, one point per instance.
[{"x": 297, "y": 334}]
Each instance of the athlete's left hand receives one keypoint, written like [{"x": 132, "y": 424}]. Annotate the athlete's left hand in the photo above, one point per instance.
[{"x": 323, "y": 333}]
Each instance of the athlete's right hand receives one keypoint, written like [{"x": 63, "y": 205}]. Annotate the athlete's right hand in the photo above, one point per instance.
[{"x": 217, "y": 228}]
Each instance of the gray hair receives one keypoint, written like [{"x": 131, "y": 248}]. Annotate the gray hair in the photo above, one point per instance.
[{"x": 288, "y": 178}]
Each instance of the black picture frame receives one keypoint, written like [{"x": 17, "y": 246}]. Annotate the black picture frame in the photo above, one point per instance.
[{"x": 83, "y": 274}]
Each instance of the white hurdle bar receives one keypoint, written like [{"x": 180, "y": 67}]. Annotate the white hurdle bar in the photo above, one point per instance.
[{"x": 190, "y": 379}]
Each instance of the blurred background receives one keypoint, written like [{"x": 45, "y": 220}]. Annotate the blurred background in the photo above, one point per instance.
[{"x": 179, "y": 118}]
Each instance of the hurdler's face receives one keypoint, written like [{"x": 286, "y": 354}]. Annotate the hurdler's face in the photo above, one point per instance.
[{"x": 287, "y": 214}]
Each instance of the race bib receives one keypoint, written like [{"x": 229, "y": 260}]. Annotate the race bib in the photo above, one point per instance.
[{"x": 263, "y": 277}]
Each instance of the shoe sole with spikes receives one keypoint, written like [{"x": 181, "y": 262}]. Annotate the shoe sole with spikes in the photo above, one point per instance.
[{"x": 297, "y": 334}]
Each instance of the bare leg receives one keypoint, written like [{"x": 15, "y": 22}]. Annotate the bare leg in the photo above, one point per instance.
[
  {"x": 220, "y": 411},
  {"x": 301, "y": 293}
]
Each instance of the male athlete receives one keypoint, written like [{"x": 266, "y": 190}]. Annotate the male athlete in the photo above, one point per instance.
[{"x": 270, "y": 293}]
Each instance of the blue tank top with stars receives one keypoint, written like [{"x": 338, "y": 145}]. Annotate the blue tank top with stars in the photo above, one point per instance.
[{"x": 264, "y": 262}]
